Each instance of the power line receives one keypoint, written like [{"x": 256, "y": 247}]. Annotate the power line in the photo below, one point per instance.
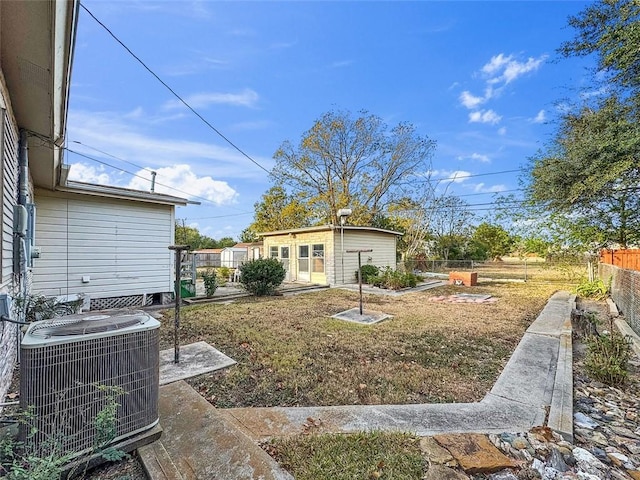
[
  {"x": 138, "y": 176},
  {"x": 173, "y": 92},
  {"x": 113, "y": 156}
]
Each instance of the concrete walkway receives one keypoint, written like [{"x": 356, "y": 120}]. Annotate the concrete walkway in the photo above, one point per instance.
[
  {"x": 535, "y": 388},
  {"x": 536, "y": 384}
]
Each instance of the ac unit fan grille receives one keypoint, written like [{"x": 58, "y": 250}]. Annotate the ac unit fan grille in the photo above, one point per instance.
[{"x": 59, "y": 383}]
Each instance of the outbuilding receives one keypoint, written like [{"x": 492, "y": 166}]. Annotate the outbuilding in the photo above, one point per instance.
[{"x": 319, "y": 254}]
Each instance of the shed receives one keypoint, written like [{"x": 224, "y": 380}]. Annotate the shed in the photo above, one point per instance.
[
  {"x": 106, "y": 243},
  {"x": 319, "y": 254},
  {"x": 208, "y": 257},
  {"x": 233, "y": 257}
]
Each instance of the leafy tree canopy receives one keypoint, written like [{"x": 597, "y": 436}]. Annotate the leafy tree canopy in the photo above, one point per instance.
[
  {"x": 185, "y": 235},
  {"x": 344, "y": 161},
  {"x": 588, "y": 179},
  {"x": 496, "y": 240}
]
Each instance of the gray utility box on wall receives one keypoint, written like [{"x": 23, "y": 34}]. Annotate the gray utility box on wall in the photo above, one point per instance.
[{"x": 67, "y": 366}]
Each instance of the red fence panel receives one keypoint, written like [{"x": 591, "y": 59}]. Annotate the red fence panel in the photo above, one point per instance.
[{"x": 628, "y": 259}]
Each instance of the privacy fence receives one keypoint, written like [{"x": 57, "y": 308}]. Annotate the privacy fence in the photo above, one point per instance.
[
  {"x": 625, "y": 291},
  {"x": 628, "y": 258}
]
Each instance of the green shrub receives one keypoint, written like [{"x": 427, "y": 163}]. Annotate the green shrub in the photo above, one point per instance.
[
  {"x": 393, "y": 279},
  {"x": 47, "y": 460},
  {"x": 368, "y": 272},
  {"x": 608, "y": 357},
  {"x": 225, "y": 272},
  {"x": 262, "y": 276},
  {"x": 595, "y": 289},
  {"x": 210, "y": 282}
]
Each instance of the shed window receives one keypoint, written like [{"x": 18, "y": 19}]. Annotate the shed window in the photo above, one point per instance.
[
  {"x": 273, "y": 252},
  {"x": 318, "y": 258}
]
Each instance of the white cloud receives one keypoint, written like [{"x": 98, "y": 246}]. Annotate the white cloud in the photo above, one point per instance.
[
  {"x": 502, "y": 131},
  {"x": 484, "y": 116},
  {"x": 505, "y": 69},
  {"x": 481, "y": 188},
  {"x": 126, "y": 139},
  {"x": 81, "y": 172},
  {"x": 181, "y": 181},
  {"x": 499, "y": 71},
  {"x": 455, "y": 176},
  {"x": 480, "y": 157},
  {"x": 471, "y": 101},
  {"x": 246, "y": 98},
  {"x": 540, "y": 117}
]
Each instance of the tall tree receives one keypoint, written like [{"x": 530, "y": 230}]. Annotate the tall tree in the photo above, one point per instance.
[
  {"x": 494, "y": 239},
  {"x": 450, "y": 226},
  {"x": 589, "y": 176},
  {"x": 277, "y": 210},
  {"x": 610, "y": 29},
  {"x": 342, "y": 161}
]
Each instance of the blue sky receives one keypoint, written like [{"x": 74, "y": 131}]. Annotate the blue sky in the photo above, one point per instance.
[{"x": 482, "y": 79}]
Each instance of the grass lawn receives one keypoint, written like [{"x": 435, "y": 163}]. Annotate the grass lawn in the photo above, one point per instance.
[
  {"x": 291, "y": 353},
  {"x": 366, "y": 455}
]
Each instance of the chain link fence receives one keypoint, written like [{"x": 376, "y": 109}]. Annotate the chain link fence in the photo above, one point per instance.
[{"x": 570, "y": 270}]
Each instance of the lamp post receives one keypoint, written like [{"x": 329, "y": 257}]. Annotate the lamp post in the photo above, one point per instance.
[{"x": 343, "y": 213}]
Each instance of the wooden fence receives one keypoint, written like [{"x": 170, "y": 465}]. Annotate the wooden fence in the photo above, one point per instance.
[{"x": 628, "y": 259}]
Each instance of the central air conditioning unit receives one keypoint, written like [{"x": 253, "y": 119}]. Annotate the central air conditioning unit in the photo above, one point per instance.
[{"x": 67, "y": 362}]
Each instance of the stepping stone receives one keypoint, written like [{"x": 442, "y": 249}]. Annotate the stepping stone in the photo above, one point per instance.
[{"x": 475, "y": 453}]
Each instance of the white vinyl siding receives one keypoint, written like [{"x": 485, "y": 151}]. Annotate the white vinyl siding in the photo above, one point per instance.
[
  {"x": 9, "y": 193},
  {"x": 120, "y": 246},
  {"x": 383, "y": 254}
]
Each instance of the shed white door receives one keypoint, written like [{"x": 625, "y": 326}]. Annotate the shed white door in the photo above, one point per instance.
[{"x": 303, "y": 263}]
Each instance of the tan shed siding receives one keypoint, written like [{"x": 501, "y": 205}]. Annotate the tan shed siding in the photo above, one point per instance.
[
  {"x": 121, "y": 246},
  {"x": 383, "y": 254},
  {"x": 311, "y": 238}
]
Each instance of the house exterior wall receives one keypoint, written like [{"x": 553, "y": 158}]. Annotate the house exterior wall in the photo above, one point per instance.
[
  {"x": 119, "y": 246},
  {"x": 9, "y": 186},
  {"x": 383, "y": 254}
]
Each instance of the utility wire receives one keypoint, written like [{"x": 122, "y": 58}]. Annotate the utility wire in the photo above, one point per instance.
[
  {"x": 136, "y": 175},
  {"x": 173, "y": 92},
  {"x": 113, "y": 156}
]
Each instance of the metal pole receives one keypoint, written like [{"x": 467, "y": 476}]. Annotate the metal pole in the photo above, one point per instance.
[
  {"x": 360, "y": 279},
  {"x": 359, "y": 252},
  {"x": 177, "y": 249},
  {"x": 342, "y": 247}
]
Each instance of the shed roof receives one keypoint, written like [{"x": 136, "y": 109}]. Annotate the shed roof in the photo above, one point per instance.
[
  {"x": 123, "y": 193},
  {"x": 208, "y": 250},
  {"x": 321, "y": 228}
]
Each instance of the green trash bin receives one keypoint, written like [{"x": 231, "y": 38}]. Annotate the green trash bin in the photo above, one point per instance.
[{"x": 187, "y": 288}]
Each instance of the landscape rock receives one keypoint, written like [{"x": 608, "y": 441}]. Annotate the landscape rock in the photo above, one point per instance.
[
  {"x": 441, "y": 472},
  {"x": 475, "y": 453}
]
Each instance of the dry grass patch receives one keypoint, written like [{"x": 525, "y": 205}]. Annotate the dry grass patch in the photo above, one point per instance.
[
  {"x": 370, "y": 455},
  {"x": 290, "y": 353}
]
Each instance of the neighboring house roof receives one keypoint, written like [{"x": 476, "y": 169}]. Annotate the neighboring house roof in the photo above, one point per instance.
[
  {"x": 322, "y": 228},
  {"x": 208, "y": 250},
  {"x": 248, "y": 244},
  {"x": 36, "y": 51},
  {"x": 123, "y": 193}
]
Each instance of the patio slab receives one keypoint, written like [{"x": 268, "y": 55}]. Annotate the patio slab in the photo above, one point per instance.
[
  {"x": 195, "y": 359},
  {"x": 368, "y": 317}
]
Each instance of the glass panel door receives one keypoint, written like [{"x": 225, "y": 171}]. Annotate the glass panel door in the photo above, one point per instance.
[{"x": 303, "y": 263}]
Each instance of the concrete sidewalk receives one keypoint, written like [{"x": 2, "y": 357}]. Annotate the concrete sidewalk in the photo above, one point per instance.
[
  {"x": 535, "y": 388},
  {"x": 537, "y": 380}
]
